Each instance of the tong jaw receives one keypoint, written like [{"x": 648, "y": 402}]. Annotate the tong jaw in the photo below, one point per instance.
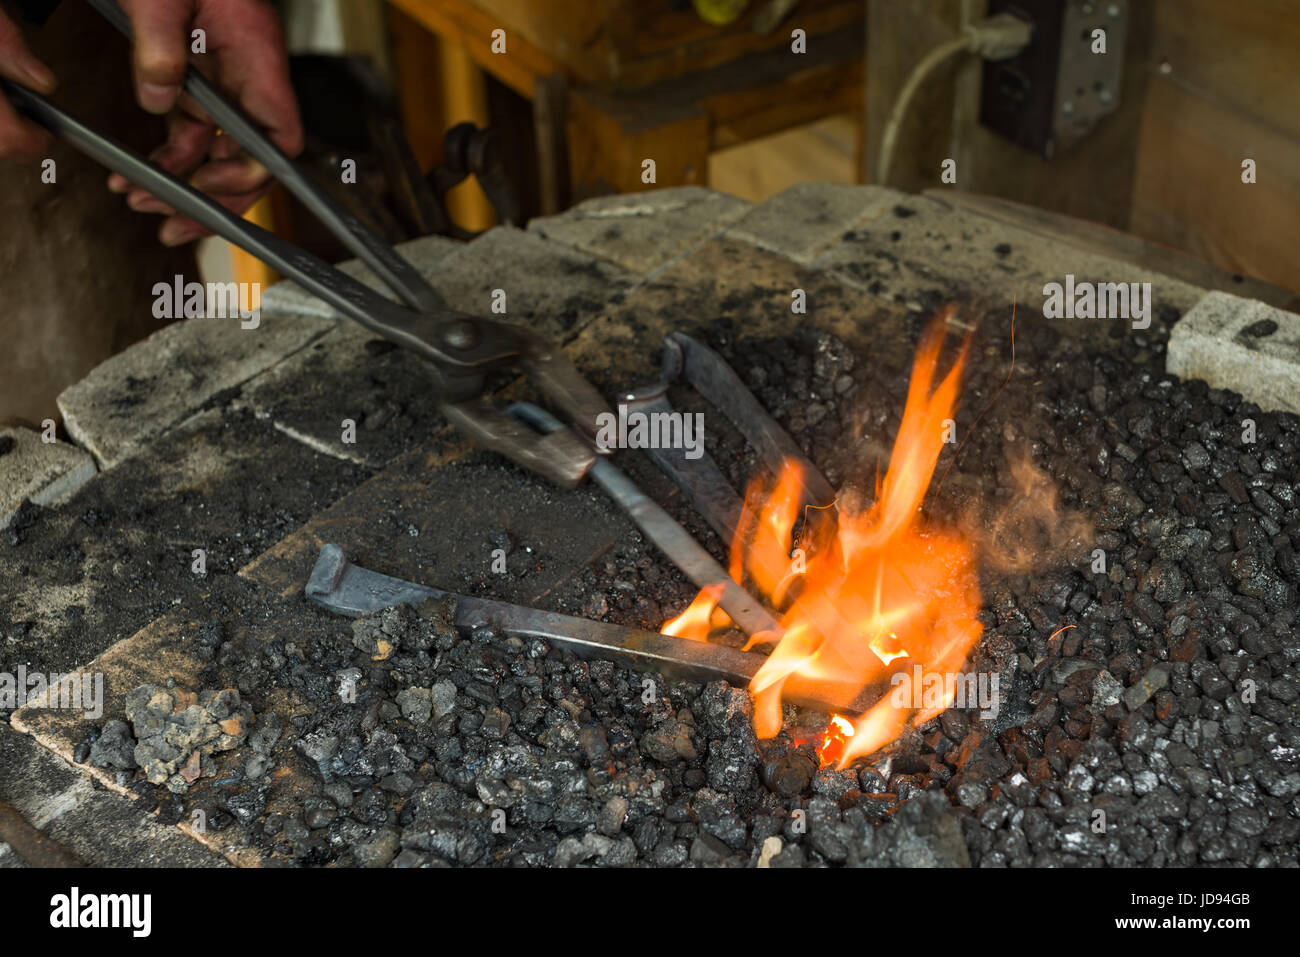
[{"x": 472, "y": 347}]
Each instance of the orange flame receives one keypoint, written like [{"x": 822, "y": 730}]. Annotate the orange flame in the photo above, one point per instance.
[
  {"x": 882, "y": 593},
  {"x": 700, "y": 618},
  {"x": 836, "y": 737}
]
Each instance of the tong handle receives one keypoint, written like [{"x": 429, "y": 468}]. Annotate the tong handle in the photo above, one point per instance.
[
  {"x": 399, "y": 275},
  {"x": 433, "y": 336}
]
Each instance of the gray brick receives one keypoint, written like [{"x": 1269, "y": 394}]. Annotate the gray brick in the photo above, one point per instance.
[
  {"x": 645, "y": 231},
  {"x": 101, "y": 828},
  {"x": 1240, "y": 344},
  {"x": 805, "y": 220},
  {"x": 550, "y": 288},
  {"x": 138, "y": 394},
  {"x": 44, "y": 473},
  {"x": 349, "y": 373},
  {"x": 920, "y": 250},
  {"x": 119, "y": 552}
]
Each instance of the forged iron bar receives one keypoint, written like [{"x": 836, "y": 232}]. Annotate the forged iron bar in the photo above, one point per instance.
[
  {"x": 35, "y": 847},
  {"x": 339, "y": 586},
  {"x": 661, "y": 528}
]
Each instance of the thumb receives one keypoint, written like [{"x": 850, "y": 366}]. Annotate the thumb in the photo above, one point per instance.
[
  {"x": 17, "y": 62},
  {"x": 159, "y": 52}
]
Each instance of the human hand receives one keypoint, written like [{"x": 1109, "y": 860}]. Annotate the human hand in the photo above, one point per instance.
[{"x": 246, "y": 59}]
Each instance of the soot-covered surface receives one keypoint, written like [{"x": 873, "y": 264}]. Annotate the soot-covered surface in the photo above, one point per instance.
[{"x": 1160, "y": 692}]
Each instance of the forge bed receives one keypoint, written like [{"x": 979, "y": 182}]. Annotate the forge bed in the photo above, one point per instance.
[{"x": 1161, "y": 692}]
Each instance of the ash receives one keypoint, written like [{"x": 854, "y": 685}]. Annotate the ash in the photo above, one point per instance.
[{"x": 1149, "y": 714}]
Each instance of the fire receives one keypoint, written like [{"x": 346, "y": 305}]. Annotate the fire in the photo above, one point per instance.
[
  {"x": 700, "y": 618},
  {"x": 873, "y": 592},
  {"x": 837, "y": 736}
]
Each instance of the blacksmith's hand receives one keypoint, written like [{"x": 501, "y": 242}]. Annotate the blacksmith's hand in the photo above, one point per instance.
[
  {"x": 239, "y": 46},
  {"x": 21, "y": 139}
]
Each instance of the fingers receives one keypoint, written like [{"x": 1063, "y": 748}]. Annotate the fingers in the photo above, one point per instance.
[
  {"x": 239, "y": 174},
  {"x": 251, "y": 66},
  {"x": 188, "y": 140},
  {"x": 17, "y": 62},
  {"x": 254, "y": 68},
  {"x": 178, "y": 230},
  {"x": 160, "y": 51},
  {"x": 19, "y": 137}
]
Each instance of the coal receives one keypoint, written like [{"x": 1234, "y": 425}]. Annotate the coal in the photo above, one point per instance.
[
  {"x": 113, "y": 748},
  {"x": 1150, "y": 718}
]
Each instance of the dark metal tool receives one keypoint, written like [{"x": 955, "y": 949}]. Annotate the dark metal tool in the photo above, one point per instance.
[
  {"x": 668, "y": 535},
  {"x": 700, "y": 479},
  {"x": 470, "y": 151},
  {"x": 460, "y": 348},
  {"x": 344, "y": 588},
  {"x": 34, "y": 846}
]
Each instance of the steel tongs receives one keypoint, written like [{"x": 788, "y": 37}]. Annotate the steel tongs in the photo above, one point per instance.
[{"x": 461, "y": 348}]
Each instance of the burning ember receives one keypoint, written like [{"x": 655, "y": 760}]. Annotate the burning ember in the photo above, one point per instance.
[{"x": 871, "y": 596}]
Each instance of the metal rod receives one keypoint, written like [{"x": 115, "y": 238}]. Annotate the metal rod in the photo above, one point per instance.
[
  {"x": 34, "y": 846},
  {"x": 339, "y": 586},
  {"x": 669, "y": 537},
  {"x": 700, "y": 479},
  {"x": 712, "y": 378}
]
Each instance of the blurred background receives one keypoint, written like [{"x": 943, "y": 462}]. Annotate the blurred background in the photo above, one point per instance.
[
  {"x": 461, "y": 115},
  {"x": 1150, "y": 144}
]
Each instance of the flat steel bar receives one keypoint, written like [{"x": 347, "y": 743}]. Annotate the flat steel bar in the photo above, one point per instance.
[
  {"x": 36, "y": 848},
  {"x": 342, "y": 587}
]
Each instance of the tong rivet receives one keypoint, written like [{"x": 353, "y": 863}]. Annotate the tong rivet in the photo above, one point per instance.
[{"x": 461, "y": 334}]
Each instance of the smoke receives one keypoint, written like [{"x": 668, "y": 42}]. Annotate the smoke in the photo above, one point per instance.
[{"x": 1027, "y": 527}]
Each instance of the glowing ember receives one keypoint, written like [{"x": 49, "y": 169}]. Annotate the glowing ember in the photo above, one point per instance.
[
  {"x": 834, "y": 740},
  {"x": 879, "y": 585}
]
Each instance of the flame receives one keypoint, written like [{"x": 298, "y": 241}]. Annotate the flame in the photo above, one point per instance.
[
  {"x": 700, "y": 618},
  {"x": 836, "y": 737},
  {"x": 882, "y": 592}
]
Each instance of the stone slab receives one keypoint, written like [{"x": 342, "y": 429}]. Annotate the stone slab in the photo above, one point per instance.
[
  {"x": 436, "y": 518},
  {"x": 1243, "y": 345},
  {"x": 350, "y": 375},
  {"x": 138, "y": 394},
  {"x": 44, "y": 472},
  {"x": 922, "y": 251},
  {"x": 550, "y": 288},
  {"x": 645, "y": 231},
  {"x": 99, "y": 827},
  {"x": 802, "y": 222},
  {"x": 97, "y": 568}
]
